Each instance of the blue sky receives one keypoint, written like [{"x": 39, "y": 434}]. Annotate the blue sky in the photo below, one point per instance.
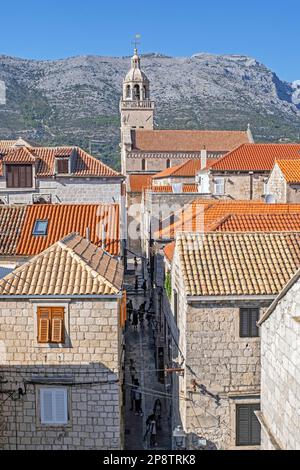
[{"x": 46, "y": 29}]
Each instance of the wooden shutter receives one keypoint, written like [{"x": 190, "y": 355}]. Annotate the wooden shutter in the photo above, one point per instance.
[
  {"x": 247, "y": 425},
  {"x": 244, "y": 322},
  {"x": 57, "y": 325},
  {"x": 44, "y": 315},
  {"x": 254, "y": 318}
]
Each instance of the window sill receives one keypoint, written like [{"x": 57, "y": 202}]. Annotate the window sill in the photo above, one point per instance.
[
  {"x": 17, "y": 190},
  {"x": 257, "y": 447}
]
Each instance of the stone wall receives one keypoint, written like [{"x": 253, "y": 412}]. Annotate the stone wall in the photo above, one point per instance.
[
  {"x": 68, "y": 190},
  {"x": 276, "y": 185},
  {"x": 237, "y": 186},
  {"x": 87, "y": 365},
  {"x": 280, "y": 380}
]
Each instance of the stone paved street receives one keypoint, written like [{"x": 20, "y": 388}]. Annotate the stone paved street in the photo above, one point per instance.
[{"x": 140, "y": 348}]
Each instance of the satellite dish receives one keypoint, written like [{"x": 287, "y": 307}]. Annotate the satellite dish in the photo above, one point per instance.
[{"x": 270, "y": 199}]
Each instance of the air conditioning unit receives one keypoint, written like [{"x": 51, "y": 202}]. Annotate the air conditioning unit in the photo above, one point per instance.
[{"x": 42, "y": 198}]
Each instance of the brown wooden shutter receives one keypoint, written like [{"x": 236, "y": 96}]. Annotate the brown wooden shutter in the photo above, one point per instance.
[
  {"x": 57, "y": 325},
  {"x": 44, "y": 315}
]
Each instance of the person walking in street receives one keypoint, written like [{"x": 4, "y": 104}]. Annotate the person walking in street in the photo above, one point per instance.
[
  {"x": 138, "y": 399},
  {"x": 132, "y": 396},
  {"x": 136, "y": 285},
  {"x": 135, "y": 320},
  {"x": 157, "y": 413},
  {"x": 132, "y": 371},
  {"x": 144, "y": 287},
  {"x": 129, "y": 309},
  {"x": 135, "y": 263},
  {"x": 151, "y": 430}
]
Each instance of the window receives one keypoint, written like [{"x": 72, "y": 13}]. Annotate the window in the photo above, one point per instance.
[
  {"x": 247, "y": 425},
  {"x": 128, "y": 92},
  {"x": 219, "y": 186},
  {"x": 248, "y": 319},
  {"x": 168, "y": 163},
  {"x": 175, "y": 295},
  {"x": 62, "y": 166},
  {"x": 137, "y": 94},
  {"x": 54, "y": 405},
  {"x": 50, "y": 324},
  {"x": 40, "y": 228},
  {"x": 19, "y": 176},
  {"x": 143, "y": 164}
]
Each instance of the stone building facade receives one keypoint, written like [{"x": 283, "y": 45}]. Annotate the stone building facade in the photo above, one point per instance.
[
  {"x": 280, "y": 377},
  {"x": 280, "y": 188},
  {"x": 64, "y": 377},
  {"x": 210, "y": 327}
]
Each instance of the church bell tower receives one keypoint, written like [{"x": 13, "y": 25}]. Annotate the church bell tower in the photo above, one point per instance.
[{"x": 136, "y": 108}]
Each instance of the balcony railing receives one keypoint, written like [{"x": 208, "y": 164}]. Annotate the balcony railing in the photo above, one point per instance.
[{"x": 135, "y": 104}]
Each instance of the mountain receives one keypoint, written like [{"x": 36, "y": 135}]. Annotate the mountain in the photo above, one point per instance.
[{"x": 75, "y": 100}]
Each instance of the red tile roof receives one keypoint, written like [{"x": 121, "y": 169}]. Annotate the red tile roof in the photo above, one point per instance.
[
  {"x": 83, "y": 165},
  {"x": 256, "y": 157},
  {"x": 11, "y": 223},
  {"x": 186, "y": 169},
  {"x": 282, "y": 222},
  {"x": 187, "y": 141},
  {"x": 186, "y": 188},
  {"x": 204, "y": 214},
  {"x": 68, "y": 218},
  {"x": 139, "y": 182},
  {"x": 20, "y": 155},
  {"x": 290, "y": 170}
]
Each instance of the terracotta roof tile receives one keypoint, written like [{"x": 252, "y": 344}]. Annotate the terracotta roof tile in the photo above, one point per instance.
[
  {"x": 203, "y": 214},
  {"x": 187, "y": 141},
  {"x": 186, "y": 169},
  {"x": 20, "y": 155},
  {"x": 83, "y": 164},
  {"x": 67, "y": 218},
  {"x": 224, "y": 264},
  {"x": 72, "y": 266},
  {"x": 186, "y": 188},
  {"x": 139, "y": 182},
  {"x": 256, "y": 157},
  {"x": 290, "y": 170},
  {"x": 11, "y": 223},
  {"x": 258, "y": 223}
]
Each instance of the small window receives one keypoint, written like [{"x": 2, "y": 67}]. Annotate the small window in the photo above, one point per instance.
[
  {"x": 247, "y": 425},
  {"x": 143, "y": 164},
  {"x": 248, "y": 319},
  {"x": 54, "y": 406},
  {"x": 168, "y": 163},
  {"x": 50, "y": 325},
  {"x": 219, "y": 186},
  {"x": 62, "y": 166},
  {"x": 40, "y": 228}
]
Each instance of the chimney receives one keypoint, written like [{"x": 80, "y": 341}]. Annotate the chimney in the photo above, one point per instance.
[
  {"x": 203, "y": 158},
  {"x": 87, "y": 234}
]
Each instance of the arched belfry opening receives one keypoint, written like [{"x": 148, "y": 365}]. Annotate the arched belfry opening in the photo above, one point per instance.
[{"x": 136, "y": 92}]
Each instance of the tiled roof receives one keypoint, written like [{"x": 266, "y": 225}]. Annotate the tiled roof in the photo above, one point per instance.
[
  {"x": 139, "y": 182},
  {"x": 290, "y": 170},
  {"x": 258, "y": 223},
  {"x": 169, "y": 250},
  {"x": 19, "y": 155},
  {"x": 186, "y": 188},
  {"x": 187, "y": 141},
  {"x": 11, "y": 223},
  {"x": 224, "y": 264},
  {"x": 67, "y": 218},
  {"x": 8, "y": 144},
  {"x": 83, "y": 164},
  {"x": 203, "y": 214},
  {"x": 256, "y": 157},
  {"x": 186, "y": 169},
  {"x": 72, "y": 266}
]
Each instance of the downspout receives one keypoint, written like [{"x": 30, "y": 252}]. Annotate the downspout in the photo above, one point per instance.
[{"x": 251, "y": 185}]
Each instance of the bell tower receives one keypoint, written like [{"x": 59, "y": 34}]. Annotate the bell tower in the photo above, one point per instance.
[{"x": 136, "y": 108}]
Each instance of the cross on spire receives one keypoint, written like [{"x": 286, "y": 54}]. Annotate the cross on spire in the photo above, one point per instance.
[{"x": 136, "y": 42}]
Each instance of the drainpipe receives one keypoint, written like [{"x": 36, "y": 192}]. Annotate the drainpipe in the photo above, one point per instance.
[{"x": 251, "y": 185}]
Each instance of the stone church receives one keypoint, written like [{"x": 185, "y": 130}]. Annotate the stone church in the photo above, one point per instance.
[{"x": 146, "y": 150}]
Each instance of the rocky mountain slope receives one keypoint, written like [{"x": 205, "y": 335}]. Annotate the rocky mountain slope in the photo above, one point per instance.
[{"x": 75, "y": 100}]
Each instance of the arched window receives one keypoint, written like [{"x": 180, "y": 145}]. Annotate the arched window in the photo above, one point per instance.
[
  {"x": 128, "y": 92},
  {"x": 145, "y": 92},
  {"x": 137, "y": 94},
  {"x": 143, "y": 164},
  {"x": 168, "y": 163}
]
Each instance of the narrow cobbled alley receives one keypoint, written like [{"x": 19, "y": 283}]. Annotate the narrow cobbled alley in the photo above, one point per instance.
[{"x": 140, "y": 354}]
